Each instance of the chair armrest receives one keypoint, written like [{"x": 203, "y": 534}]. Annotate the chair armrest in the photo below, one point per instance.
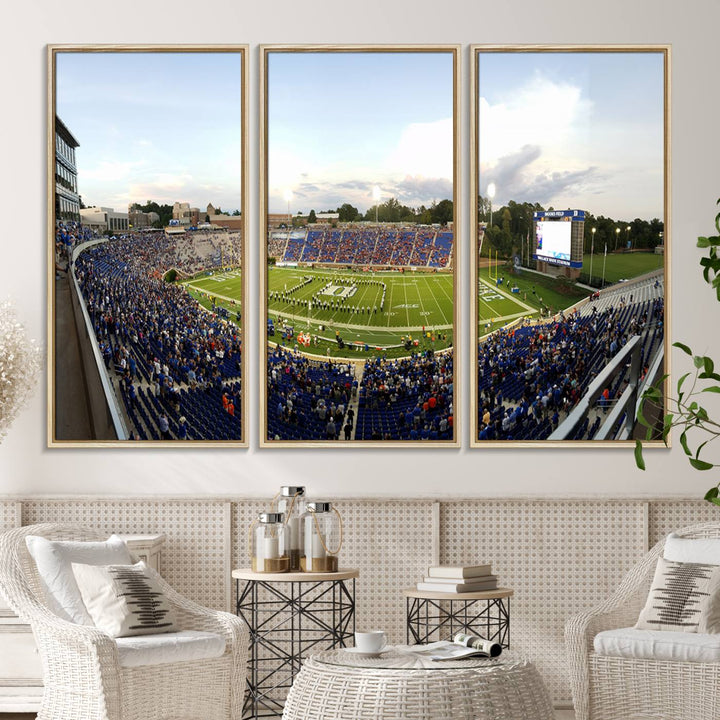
[
  {"x": 619, "y": 610},
  {"x": 70, "y": 650},
  {"x": 192, "y": 616}
]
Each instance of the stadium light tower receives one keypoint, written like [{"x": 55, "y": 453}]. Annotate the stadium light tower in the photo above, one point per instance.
[
  {"x": 617, "y": 236},
  {"x": 604, "y": 261},
  {"x": 592, "y": 250},
  {"x": 288, "y": 196},
  {"x": 377, "y": 194},
  {"x": 491, "y": 195},
  {"x": 627, "y": 235}
]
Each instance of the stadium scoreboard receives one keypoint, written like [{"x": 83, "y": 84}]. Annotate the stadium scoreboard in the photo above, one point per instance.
[{"x": 559, "y": 237}]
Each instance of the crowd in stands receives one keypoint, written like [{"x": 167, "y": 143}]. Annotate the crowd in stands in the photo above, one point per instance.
[
  {"x": 530, "y": 377},
  {"x": 306, "y": 399},
  {"x": 374, "y": 246},
  {"x": 179, "y": 366},
  {"x": 404, "y": 399},
  {"x": 69, "y": 234},
  {"x": 407, "y": 398}
]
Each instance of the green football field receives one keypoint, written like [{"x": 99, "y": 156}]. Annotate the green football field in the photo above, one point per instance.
[
  {"x": 620, "y": 266},
  {"x": 378, "y": 309},
  {"x": 225, "y": 288},
  {"x": 348, "y": 303}
]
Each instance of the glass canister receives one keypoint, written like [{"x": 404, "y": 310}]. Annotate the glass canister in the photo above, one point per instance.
[
  {"x": 322, "y": 537},
  {"x": 291, "y": 502},
  {"x": 269, "y": 547}
]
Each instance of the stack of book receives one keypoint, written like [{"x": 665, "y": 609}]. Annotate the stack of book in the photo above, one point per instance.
[{"x": 458, "y": 579}]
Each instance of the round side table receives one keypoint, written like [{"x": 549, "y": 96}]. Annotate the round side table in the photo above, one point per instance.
[
  {"x": 339, "y": 685},
  {"x": 484, "y": 613},
  {"x": 290, "y": 615}
]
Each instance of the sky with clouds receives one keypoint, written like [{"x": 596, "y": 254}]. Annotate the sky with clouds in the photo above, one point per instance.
[
  {"x": 154, "y": 126},
  {"x": 573, "y": 130},
  {"x": 341, "y": 123}
]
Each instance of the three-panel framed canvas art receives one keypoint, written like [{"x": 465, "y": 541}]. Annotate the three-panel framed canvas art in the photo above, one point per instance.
[{"x": 364, "y": 243}]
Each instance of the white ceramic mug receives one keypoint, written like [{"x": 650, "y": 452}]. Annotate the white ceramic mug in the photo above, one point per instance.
[{"x": 372, "y": 641}]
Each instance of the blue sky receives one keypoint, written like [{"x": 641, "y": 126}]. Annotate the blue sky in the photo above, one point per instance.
[
  {"x": 341, "y": 123},
  {"x": 573, "y": 130},
  {"x": 154, "y": 126}
]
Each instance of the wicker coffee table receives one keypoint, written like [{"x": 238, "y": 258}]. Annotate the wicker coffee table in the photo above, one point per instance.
[{"x": 340, "y": 685}]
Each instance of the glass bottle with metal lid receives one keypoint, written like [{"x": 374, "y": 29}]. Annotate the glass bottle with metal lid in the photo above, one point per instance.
[
  {"x": 322, "y": 537},
  {"x": 269, "y": 546},
  {"x": 291, "y": 502}
]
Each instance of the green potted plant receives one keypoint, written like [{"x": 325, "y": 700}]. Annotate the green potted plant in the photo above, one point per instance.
[{"x": 685, "y": 411}]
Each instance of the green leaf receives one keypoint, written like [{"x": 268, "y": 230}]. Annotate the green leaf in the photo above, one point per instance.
[
  {"x": 701, "y": 464},
  {"x": 699, "y": 361},
  {"x": 681, "y": 381},
  {"x": 712, "y": 388},
  {"x": 667, "y": 426},
  {"x": 684, "y": 443},
  {"x": 712, "y": 493},
  {"x": 639, "y": 455},
  {"x": 683, "y": 347},
  {"x": 708, "y": 364},
  {"x": 703, "y": 242},
  {"x": 715, "y": 501},
  {"x": 709, "y": 376}
]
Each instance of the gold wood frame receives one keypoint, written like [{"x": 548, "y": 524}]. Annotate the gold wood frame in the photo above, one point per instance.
[
  {"x": 264, "y": 51},
  {"x": 475, "y": 51},
  {"x": 52, "y": 52}
]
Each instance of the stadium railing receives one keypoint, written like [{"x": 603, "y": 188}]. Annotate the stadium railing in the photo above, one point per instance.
[
  {"x": 112, "y": 402},
  {"x": 627, "y": 401}
]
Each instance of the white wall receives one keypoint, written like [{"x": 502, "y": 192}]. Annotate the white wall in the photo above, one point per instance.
[{"x": 27, "y": 467}]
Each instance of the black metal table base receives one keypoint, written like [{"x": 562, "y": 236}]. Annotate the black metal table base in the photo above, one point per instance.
[
  {"x": 431, "y": 620},
  {"x": 288, "y": 620}
]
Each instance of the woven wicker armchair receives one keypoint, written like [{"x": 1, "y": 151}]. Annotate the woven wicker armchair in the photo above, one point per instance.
[
  {"x": 614, "y": 688},
  {"x": 81, "y": 671}
]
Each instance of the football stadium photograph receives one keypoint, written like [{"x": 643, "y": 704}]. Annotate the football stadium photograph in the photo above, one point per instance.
[
  {"x": 570, "y": 253},
  {"x": 360, "y": 237},
  {"x": 146, "y": 284}
]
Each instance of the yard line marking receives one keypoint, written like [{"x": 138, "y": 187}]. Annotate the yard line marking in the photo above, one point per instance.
[
  {"x": 449, "y": 297},
  {"x": 407, "y": 310}
]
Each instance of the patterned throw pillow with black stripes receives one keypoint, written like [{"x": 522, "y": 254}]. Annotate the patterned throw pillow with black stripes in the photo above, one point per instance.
[
  {"x": 684, "y": 597},
  {"x": 124, "y": 600}
]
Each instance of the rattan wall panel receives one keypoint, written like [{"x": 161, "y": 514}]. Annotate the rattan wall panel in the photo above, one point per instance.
[
  {"x": 559, "y": 557},
  {"x": 391, "y": 543},
  {"x": 8, "y": 518},
  {"x": 194, "y": 552},
  {"x": 668, "y": 515}
]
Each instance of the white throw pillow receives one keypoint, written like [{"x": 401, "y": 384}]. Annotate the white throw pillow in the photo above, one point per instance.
[
  {"x": 683, "y": 597},
  {"x": 54, "y": 559},
  {"x": 692, "y": 550},
  {"x": 124, "y": 600}
]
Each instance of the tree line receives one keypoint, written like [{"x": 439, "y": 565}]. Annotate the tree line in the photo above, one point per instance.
[
  {"x": 392, "y": 211},
  {"x": 511, "y": 229}
]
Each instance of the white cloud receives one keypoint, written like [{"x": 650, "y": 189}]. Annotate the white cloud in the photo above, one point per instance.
[
  {"x": 550, "y": 115},
  {"x": 423, "y": 150}
]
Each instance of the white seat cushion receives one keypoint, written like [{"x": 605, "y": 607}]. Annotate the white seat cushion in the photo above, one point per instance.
[
  {"x": 169, "y": 648},
  {"x": 658, "y": 645}
]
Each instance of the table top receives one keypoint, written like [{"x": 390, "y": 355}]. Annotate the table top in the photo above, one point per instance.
[
  {"x": 342, "y": 574},
  {"x": 401, "y": 657},
  {"x": 482, "y": 595}
]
